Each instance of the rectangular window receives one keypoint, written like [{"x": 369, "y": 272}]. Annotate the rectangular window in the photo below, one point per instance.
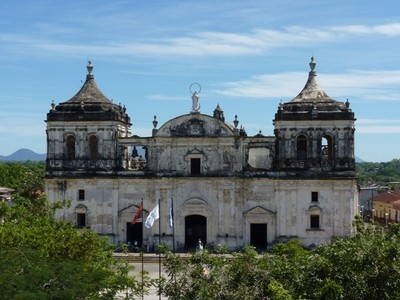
[
  {"x": 81, "y": 195},
  {"x": 314, "y": 221},
  {"x": 80, "y": 220},
  {"x": 314, "y": 196},
  {"x": 195, "y": 166}
]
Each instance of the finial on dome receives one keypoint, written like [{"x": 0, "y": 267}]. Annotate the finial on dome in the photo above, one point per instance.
[
  {"x": 155, "y": 122},
  {"x": 89, "y": 67},
  {"x": 236, "y": 121},
  {"x": 312, "y": 64},
  {"x": 280, "y": 105}
]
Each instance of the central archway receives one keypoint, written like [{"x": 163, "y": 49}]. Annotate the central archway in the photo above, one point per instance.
[
  {"x": 195, "y": 229},
  {"x": 134, "y": 233}
]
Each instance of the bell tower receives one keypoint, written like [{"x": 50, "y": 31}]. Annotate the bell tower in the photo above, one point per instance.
[
  {"x": 82, "y": 133},
  {"x": 314, "y": 134}
]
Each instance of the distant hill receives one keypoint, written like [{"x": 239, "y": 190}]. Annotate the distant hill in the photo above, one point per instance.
[
  {"x": 23, "y": 155},
  {"x": 359, "y": 160}
]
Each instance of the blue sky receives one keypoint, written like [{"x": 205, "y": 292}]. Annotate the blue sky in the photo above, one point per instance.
[{"x": 246, "y": 55}]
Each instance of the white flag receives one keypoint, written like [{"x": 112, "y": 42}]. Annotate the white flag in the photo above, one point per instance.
[{"x": 154, "y": 215}]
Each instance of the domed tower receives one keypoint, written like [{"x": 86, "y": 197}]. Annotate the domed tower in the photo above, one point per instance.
[
  {"x": 314, "y": 134},
  {"x": 82, "y": 133}
]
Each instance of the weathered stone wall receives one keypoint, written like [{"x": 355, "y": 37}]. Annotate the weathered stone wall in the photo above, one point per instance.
[{"x": 229, "y": 204}]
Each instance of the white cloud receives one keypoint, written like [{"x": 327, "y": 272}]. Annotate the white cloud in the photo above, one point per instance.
[
  {"x": 23, "y": 130},
  {"x": 378, "y": 126},
  {"x": 378, "y": 129},
  {"x": 265, "y": 86},
  {"x": 377, "y": 121},
  {"x": 391, "y": 29},
  {"x": 372, "y": 85},
  {"x": 204, "y": 43},
  {"x": 167, "y": 98}
]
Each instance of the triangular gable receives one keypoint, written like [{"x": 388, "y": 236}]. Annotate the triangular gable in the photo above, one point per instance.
[
  {"x": 258, "y": 210},
  {"x": 195, "y": 151},
  {"x": 128, "y": 209}
]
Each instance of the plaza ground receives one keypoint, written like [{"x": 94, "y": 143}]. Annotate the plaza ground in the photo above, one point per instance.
[{"x": 150, "y": 264}]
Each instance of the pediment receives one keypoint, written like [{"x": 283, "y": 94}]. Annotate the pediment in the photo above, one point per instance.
[
  {"x": 131, "y": 209},
  {"x": 195, "y": 202},
  {"x": 258, "y": 210},
  {"x": 314, "y": 209},
  {"x": 195, "y": 151},
  {"x": 80, "y": 208}
]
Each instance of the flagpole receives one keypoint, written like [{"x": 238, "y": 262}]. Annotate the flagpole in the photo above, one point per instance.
[
  {"x": 139, "y": 214},
  {"x": 142, "y": 245},
  {"x": 159, "y": 252},
  {"x": 173, "y": 225},
  {"x": 173, "y": 236},
  {"x": 154, "y": 215}
]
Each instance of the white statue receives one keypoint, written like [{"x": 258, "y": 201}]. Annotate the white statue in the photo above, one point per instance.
[{"x": 195, "y": 102}]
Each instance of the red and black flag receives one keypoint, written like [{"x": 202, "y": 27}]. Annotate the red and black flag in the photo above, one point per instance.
[{"x": 139, "y": 211}]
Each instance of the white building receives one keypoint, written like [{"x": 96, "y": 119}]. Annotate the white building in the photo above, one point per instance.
[{"x": 227, "y": 188}]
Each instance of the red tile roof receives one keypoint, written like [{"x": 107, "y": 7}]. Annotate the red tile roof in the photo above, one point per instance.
[{"x": 388, "y": 197}]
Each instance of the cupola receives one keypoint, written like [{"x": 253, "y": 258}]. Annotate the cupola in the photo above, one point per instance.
[
  {"x": 89, "y": 104},
  {"x": 313, "y": 102}
]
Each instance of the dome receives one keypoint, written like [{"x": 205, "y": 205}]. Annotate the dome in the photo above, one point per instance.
[
  {"x": 89, "y": 104},
  {"x": 312, "y": 91},
  {"x": 312, "y": 102},
  {"x": 195, "y": 125}
]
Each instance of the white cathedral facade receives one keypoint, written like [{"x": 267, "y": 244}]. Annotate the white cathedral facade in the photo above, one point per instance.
[{"x": 227, "y": 188}]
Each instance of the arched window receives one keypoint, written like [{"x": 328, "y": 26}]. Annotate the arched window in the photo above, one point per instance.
[
  {"x": 301, "y": 147},
  {"x": 93, "y": 147},
  {"x": 315, "y": 215},
  {"x": 327, "y": 147},
  {"x": 70, "y": 147},
  {"x": 81, "y": 216}
]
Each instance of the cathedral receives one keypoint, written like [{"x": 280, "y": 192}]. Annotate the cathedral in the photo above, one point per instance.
[{"x": 222, "y": 186}]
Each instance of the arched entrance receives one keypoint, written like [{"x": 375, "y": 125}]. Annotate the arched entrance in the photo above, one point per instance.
[{"x": 195, "y": 229}]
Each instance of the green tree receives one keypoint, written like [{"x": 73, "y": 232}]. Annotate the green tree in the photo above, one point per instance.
[
  {"x": 380, "y": 172},
  {"x": 43, "y": 258},
  {"x": 365, "y": 266},
  {"x": 27, "y": 178},
  {"x": 243, "y": 275}
]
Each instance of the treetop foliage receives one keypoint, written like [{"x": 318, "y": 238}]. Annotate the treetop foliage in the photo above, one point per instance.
[
  {"x": 380, "y": 172},
  {"x": 46, "y": 258},
  {"x": 365, "y": 266},
  {"x": 27, "y": 178}
]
